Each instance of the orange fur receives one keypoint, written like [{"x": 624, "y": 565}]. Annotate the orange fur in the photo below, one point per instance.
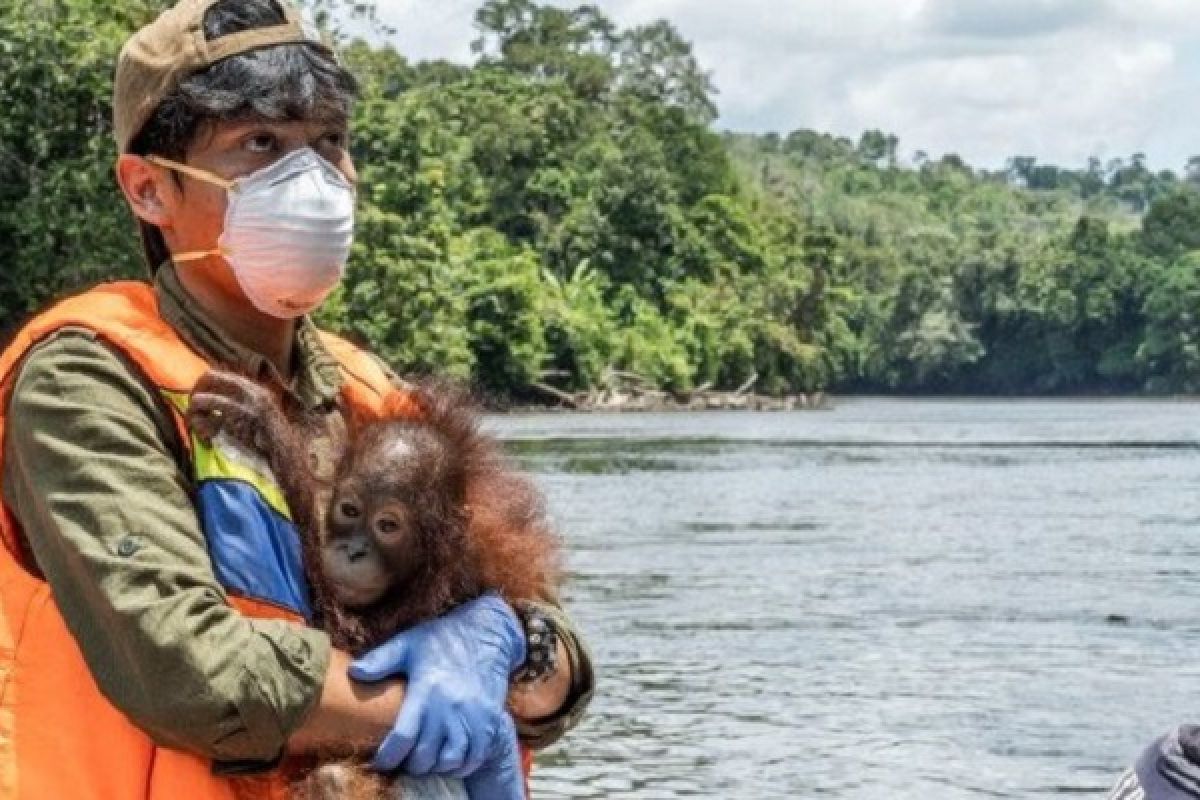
[{"x": 477, "y": 523}]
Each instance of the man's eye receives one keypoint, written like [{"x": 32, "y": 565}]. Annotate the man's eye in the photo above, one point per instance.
[{"x": 261, "y": 143}]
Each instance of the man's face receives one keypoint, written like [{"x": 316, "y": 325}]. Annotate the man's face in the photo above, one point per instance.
[{"x": 191, "y": 211}]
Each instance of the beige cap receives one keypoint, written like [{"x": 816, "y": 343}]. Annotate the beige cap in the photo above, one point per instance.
[{"x": 160, "y": 55}]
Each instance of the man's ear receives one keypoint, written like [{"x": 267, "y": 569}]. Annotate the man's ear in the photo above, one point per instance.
[{"x": 148, "y": 189}]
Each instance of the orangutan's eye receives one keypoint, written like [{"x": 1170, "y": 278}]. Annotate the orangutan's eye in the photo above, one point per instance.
[
  {"x": 350, "y": 511},
  {"x": 387, "y": 525}
]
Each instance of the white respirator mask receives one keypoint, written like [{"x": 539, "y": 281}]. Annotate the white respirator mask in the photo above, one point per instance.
[{"x": 288, "y": 230}]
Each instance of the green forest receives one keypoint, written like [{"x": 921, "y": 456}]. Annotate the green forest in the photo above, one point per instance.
[{"x": 565, "y": 211}]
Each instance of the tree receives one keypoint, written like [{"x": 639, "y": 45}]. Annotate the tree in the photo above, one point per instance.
[
  {"x": 656, "y": 64},
  {"x": 1172, "y": 226},
  {"x": 62, "y": 223},
  {"x": 878, "y": 148},
  {"x": 1171, "y": 350},
  {"x": 1193, "y": 172},
  {"x": 548, "y": 43}
]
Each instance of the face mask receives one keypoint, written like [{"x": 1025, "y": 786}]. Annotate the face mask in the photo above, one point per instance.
[{"x": 288, "y": 231}]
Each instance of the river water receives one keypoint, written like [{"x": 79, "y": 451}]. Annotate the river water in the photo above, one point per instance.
[{"x": 893, "y": 599}]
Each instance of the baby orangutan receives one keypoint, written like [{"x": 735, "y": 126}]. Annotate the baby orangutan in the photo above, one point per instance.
[{"x": 421, "y": 514}]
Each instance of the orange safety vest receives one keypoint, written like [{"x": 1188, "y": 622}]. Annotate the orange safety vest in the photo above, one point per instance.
[{"x": 59, "y": 736}]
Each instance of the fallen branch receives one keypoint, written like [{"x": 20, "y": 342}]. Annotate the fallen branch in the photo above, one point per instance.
[
  {"x": 632, "y": 377},
  {"x": 747, "y": 386},
  {"x": 565, "y": 397}
]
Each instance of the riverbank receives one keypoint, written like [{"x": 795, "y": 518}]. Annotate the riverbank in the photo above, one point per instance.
[
  {"x": 635, "y": 396},
  {"x": 618, "y": 402}
]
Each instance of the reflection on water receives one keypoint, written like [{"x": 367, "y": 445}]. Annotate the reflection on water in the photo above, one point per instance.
[{"x": 895, "y": 599}]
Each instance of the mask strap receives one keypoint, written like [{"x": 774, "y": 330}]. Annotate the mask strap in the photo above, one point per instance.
[
  {"x": 198, "y": 174},
  {"x": 198, "y": 255}
]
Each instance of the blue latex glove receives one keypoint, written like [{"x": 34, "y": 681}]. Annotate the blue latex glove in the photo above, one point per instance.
[
  {"x": 453, "y": 720},
  {"x": 501, "y": 776}
]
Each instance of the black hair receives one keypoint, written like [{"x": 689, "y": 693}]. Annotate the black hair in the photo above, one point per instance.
[{"x": 279, "y": 83}]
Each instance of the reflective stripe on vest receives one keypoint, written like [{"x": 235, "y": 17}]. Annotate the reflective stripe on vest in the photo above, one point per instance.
[{"x": 252, "y": 541}]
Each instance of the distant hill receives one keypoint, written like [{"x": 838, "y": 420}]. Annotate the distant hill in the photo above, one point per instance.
[{"x": 1031, "y": 279}]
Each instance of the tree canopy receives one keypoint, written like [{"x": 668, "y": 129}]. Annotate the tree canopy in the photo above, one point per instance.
[{"x": 562, "y": 210}]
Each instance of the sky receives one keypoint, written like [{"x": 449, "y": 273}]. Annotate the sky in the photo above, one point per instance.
[{"x": 1060, "y": 80}]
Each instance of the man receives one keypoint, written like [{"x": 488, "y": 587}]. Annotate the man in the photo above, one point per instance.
[{"x": 151, "y": 595}]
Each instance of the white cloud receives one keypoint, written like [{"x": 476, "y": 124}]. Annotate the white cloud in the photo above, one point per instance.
[
  {"x": 431, "y": 29},
  {"x": 1172, "y": 18},
  {"x": 1008, "y": 18},
  {"x": 1051, "y": 104},
  {"x": 1057, "y": 79}
]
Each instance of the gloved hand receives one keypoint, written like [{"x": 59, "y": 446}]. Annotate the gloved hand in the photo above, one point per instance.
[
  {"x": 453, "y": 720},
  {"x": 501, "y": 776}
]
